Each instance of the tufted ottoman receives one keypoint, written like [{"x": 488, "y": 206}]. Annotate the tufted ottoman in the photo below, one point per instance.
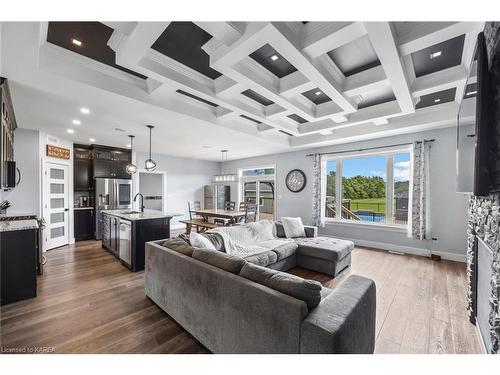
[{"x": 324, "y": 254}]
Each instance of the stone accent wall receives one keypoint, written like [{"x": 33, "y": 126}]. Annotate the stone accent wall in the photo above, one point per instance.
[{"x": 484, "y": 223}]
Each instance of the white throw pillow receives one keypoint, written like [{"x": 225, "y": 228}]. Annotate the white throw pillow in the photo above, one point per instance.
[
  {"x": 293, "y": 227},
  {"x": 201, "y": 242}
]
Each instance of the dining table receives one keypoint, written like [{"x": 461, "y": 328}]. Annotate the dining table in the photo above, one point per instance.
[{"x": 207, "y": 213}]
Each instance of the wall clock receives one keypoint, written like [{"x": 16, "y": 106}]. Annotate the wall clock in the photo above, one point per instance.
[{"x": 295, "y": 180}]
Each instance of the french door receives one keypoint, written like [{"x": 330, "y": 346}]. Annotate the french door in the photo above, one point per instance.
[
  {"x": 56, "y": 205},
  {"x": 260, "y": 192}
]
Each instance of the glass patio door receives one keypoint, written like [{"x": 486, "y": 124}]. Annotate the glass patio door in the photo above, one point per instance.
[
  {"x": 260, "y": 193},
  {"x": 56, "y": 205}
]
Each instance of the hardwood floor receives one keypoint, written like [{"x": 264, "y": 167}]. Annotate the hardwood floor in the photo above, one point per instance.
[{"x": 89, "y": 303}]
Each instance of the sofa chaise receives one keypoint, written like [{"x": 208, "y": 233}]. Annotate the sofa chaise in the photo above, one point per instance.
[{"x": 236, "y": 305}]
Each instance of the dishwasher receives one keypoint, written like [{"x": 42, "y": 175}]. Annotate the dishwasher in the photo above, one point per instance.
[{"x": 125, "y": 248}]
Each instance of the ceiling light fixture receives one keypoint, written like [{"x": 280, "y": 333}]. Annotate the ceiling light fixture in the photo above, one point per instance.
[
  {"x": 274, "y": 57},
  {"x": 437, "y": 100},
  {"x": 76, "y": 42},
  {"x": 92, "y": 140},
  {"x": 76, "y": 122},
  {"x": 150, "y": 164},
  {"x": 84, "y": 110},
  {"x": 131, "y": 168},
  {"x": 472, "y": 92},
  {"x": 317, "y": 93},
  {"x": 224, "y": 177},
  {"x": 435, "y": 54},
  {"x": 70, "y": 131}
]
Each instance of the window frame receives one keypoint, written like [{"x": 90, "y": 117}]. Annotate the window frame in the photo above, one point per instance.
[{"x": 389, "y": 196}]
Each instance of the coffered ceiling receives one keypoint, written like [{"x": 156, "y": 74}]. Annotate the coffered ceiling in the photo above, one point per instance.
[{"x": 287, "y": 85}]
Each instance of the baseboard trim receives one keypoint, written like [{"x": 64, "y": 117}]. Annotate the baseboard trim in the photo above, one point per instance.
[{"x": 406, "y": 249}]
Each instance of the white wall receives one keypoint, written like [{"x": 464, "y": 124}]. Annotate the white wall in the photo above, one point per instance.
[
  {"x": 25, "y": 198},
  {"x": 186, "y": 179},
  {"x": 448, "y": 209}
]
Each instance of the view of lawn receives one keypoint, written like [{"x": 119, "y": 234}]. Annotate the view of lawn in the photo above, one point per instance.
[{"x": 369, "y": 204}]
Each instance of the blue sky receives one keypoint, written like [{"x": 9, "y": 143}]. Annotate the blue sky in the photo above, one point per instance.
[{"x": 375, "y": 166}]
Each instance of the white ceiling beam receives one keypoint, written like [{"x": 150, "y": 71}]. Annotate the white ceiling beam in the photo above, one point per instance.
[
  {"x": 225, "y": 32},
  {"x": 295, "y": 84},
  {"x": 322, "y": 37},
  {"x": 368, "y": 114},
  {"x": 130, "y": 49},
  {"x": 467, "y": 58},
  {"x": 384, "y": 44},
  {"x": 420, "y": 35},
  {"x": 438, "y": 81},
  {"x": 365, "y": 81},
  {"x": 443, "y": 115}
]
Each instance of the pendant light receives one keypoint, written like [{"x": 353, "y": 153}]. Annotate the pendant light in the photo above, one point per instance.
[
  {"x": 224, "y": 177},
  {"x": 131, "y": 168},
  {"x": 150, "y": 164}
]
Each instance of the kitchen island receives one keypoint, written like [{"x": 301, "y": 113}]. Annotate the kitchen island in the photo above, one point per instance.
[{"x": 125, "y": 233}]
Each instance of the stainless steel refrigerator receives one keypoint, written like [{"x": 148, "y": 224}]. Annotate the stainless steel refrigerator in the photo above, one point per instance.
[
  {"x": 111, "y": 194},
  {"x": 216, "y": 196}
]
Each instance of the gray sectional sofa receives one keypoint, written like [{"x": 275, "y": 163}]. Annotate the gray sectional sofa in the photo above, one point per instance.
[{"x": 236, "y": 305}]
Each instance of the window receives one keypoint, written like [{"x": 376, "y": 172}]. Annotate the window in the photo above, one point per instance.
[{"x": 368, "y": 187}]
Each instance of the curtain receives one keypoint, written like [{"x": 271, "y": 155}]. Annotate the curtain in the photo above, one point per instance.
[
  {"x": 420, "y": 228},
  {"x": 317, "y": 216}
]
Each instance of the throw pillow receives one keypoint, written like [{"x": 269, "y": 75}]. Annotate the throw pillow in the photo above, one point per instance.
[
  {"x": 293, "y": 227},
  {"x": 201, "y": 242},
  {"x": 179, "y": 245},
  {"x": 308, "y": 291}
]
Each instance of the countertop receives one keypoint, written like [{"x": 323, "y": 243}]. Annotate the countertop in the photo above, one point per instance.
[
  {"x": 12, "y": 225},
  {"x": 147, "y": 214}
]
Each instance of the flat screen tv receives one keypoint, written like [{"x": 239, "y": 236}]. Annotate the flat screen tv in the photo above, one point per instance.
[{"x": 473, "y": 132}]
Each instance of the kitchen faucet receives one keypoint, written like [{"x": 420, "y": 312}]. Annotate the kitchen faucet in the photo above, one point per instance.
[{"x": 142, "y": 201}]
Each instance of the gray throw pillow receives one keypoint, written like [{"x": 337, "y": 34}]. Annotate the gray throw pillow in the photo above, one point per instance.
[
  {"x": 308, "y": 291},
  {"x": 219, "y": 259},
  {"x": 215, "y": 238},
  {"x": 179, "y": 245}
]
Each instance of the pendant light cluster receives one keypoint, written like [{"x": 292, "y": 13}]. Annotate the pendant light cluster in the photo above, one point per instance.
[
  {"x": 131, "y": 168},
  {"x": 224, "y": 177},
  {"x": 149, "y": 164}
]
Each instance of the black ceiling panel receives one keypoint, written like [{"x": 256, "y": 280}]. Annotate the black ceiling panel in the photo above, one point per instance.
[
  {"x": 451, "y": 55},
  {"x": 182, "y": 42},
  {"x": 257, "y": 97},
  {"x": 316, "y": 96},
  {"x": 470, "y": 90},
  {"x": 436, "y": 98},
  {"x": 297, "y": 118},
  {"x": 280, "y": 67},
  {"x": 284, "y": 132},
  {"x": 197, "y": 98},
  {"x": 94, "y": 37},
  {"x": 251, "y": 119}
]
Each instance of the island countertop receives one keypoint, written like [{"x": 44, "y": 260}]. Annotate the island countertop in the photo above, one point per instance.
[
  {"x": 136, "y": 215},
  {"x": 12, "y": 225}
]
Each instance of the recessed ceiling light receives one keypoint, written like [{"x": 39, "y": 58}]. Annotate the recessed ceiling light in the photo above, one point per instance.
[
  {"x": 70, "y": 131},
  {"x": 92, "y": 140},
  {"x": 84, "y": 110},
  {"x": 435, "y": 54},
  {"x": 437, "y": 100},
  {"x": 76, "y": 122},
  {"x": 274, "y": 57},
  {"x": 317, "y": 93},
  {"x": 77, "y": 42}
]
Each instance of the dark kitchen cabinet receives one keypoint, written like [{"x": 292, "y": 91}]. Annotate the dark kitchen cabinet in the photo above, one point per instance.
[
  {"x": 111, "y": 233},
  {"x": 82, "y": 169},
  {"x": 18, "y": 265},
  {"x": 7, "y": 127},
  {"x": 111, "y": 162},
  {"x": 84, "y": 224}
]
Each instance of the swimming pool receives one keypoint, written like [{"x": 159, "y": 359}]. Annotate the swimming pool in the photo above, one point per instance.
[{"x": 371, "y": 218}]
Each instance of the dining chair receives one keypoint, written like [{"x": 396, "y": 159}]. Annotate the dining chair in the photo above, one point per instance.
[
  {"x": 250, "y": 213},
  {"x": 229, "y": 206},
  {"x": 194, "y": 206}
]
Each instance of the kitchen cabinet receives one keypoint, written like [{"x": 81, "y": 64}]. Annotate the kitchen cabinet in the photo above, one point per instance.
[
  {"x": 18, "y": 265},
  {"x": 111, "y": 162},
  {"x": 111, "y": 233},
  {"x": 84, "y": 224},
  {"x": 82, "y": 168},
  {"x": 7, "y": 127}
]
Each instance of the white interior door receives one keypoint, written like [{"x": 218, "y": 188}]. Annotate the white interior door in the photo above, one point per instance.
[{"x": 56, "y": 205}]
